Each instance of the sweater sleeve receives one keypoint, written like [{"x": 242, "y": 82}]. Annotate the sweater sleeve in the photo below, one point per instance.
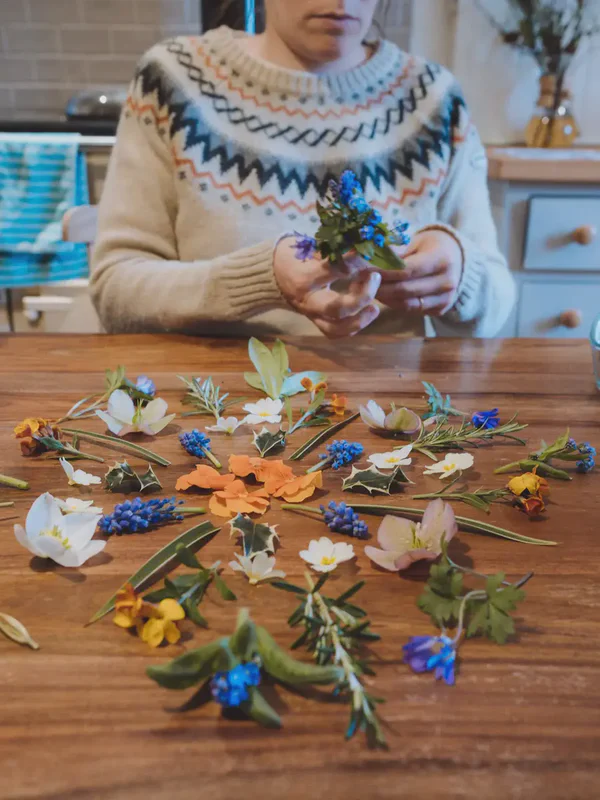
[
  {"x": 138, "y": 282},
  {"x": 487, "y": 291}
]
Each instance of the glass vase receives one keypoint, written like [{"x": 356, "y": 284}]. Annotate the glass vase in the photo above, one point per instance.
[{"x": 553, "y": 123}]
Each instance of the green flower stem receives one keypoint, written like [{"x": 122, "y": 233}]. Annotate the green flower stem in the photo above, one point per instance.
[
  {"x": 300, "y": 507},
  {"x": 476, "y": 594},
  {"x": 15, "y": 483},
  {"x": 543, "y": 469},
  {"x": 320, "y": 466},
  {"x": 190, "y": 511},
  {"x": 135, "y": 449},
  {"x": 7, "y": 504},
  {"x": 212, "y": 458},
  {"x": 461, "y": 568},
  {"x": 79, "y": 454}
]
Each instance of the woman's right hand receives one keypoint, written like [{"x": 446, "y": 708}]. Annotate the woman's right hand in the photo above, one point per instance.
[{"x": 306, "y": 286}]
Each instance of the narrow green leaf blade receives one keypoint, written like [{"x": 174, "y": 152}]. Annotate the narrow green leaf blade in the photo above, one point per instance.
[
  {"x": 259, "y": 710},
  {"x": 130, "y": 447},
  {"x": 321, "y": 437}
]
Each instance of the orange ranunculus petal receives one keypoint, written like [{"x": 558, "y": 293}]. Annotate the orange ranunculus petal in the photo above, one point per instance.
[
  {"x": 274, "y": 474},
  {"x": 300, "y": 489},
  {"x": 203, "y": 477},
  {"x": 236, "y": 499},
  {"x": 242, "y": 466},
  {"x": 339, "y": 404}
]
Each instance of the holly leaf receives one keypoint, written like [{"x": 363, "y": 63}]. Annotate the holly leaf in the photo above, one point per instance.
[
  {"x": 267, "y": 442},
  {"x": 374, "y": 481},
  {"x": 443, "y": 594},
  {"x": 123, "y": 478},
  {"x": 255, "y": 537},
  {"x": 491, "y": 617}
]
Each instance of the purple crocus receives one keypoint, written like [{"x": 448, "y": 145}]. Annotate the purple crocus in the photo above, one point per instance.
[
  {"x": 306, "y": 247},
  {"x": 426, "y": 653}
]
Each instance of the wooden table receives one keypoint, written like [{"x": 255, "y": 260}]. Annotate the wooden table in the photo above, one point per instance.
[{"x": 79, "y": 718}]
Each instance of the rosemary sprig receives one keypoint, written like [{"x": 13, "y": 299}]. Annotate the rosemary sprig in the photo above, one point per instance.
[
  {"x": 445, "y": 437},
  {"x": 206, "y": 398},
  {"x": 335, "y": 632},
  {"x": 480, "y": 498}
]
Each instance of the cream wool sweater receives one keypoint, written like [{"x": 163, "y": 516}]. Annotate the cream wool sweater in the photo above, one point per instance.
[{"x": 218, "y": 154}]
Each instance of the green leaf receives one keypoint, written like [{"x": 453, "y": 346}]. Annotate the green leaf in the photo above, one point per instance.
[
  {"x": 349, "y": 593},
  {"x": 259, "y": 710},
  {"x": 289, "y": 587},
  {"x": 189, "y": 669},
  {"x": 386, "y": 259},
  {"x": 223, "y": 589},
  {"x": 243, "y": 643},
  {"x": 289, "y": 411},
  {"x": 374, "y": 481},
  {"x": 130, "y": 447},
  {"x": 280, "y": 356},
  {"x": 281, "y": 666},
  {"x": 491, "y": 617},
  {"x": 123, "y": 478},
  {"x": 190, "y": 606},
  {"x": 267, "y": 442},
  {"x": 254, "y": 380},
  {"x": 255, "y": 537},
  {"x": 441, "y": 598},
  {"x": 162, "y": 561},
  {"x": 187, "y": 558},
  {"x": 321, "y": 437},
  {"x": 268, "y": 365}
]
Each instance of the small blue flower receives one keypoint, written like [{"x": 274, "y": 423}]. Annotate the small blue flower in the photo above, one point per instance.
[
  {"x": 572, "y": 444},
  {"x": 426, "y": 653},
  {"x": 486, "y": 419},
  {"x": 343, "y": 519},
  {"x": 195, "y": 443},
  {"x": 145, "y": 385},
  {"x": 379, "y": 239},
  {"x": 586, "y": 465},
  {"x": 367, "y": 232},
  {"x": 359, "y": 204},
  {"x": 341, "y": 452},
  {"x": 400, "y": 234},
  {"x": 230, "y": 689},
  {"x": 138, "y": 516},
  {"x": 306, "y": 247},
  {"x": 586, "y": 449},
  {"x": 348, "y": 187},
  {"x": 375, "y": 218}
]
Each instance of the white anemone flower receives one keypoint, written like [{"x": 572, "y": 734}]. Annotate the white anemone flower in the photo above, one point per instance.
[
  {"x": 228, "y": 425},
  {"x": 265, "y": 410},
  {"x": 73, "y": 505},
  {"x": 257, "y": 567},
  {"x": 77, "y": 477},
  {"x": 124, "y": 416},
  {"x": 452, "y": 463},
  {"x": 66, "y": 539},
  {"x": 324, "y": 555},
  {"x": 396, "y": 458}
]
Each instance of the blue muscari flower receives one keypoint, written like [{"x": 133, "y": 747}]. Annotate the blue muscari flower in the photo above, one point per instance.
[
  {"x": 343, "y": 519},
  {"x": 145, "y": 385},
  {"x": 375, "y": 218},
  {"x": 230, "y": 689},
  {"x": 367, "y": 232},
  {"x": 342, "y": 452},
  {"x": 195, "y": 443},
  {"x": 426, "y": 653},
  {"x": 306, "y": 247},
  {"x": 486, "y": 419},
  {"x": 379, "y": 239},
  {"x": 137, "y": 515},
  {"x": 586, "y": 465}
]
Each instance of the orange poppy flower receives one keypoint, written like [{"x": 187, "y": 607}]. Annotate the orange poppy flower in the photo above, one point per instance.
[
  {"x": 339, "y": 404},
  {"x": 204, "y": 477},
  {"x": 300, "y": 489},
  {"x": 272, "y": 473},
  {"x": 242, "y": 466},
  {"x": 236, "y": 499}
]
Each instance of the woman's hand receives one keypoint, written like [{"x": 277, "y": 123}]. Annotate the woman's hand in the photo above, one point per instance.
[
  {"x": 306, "y": 286},
  {"x": 429, "y": 284}
]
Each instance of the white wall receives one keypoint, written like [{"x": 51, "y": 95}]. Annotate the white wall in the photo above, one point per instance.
[{"x": 501, "y": 84}]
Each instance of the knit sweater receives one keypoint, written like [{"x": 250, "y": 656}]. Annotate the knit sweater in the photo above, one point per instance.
[{"x": 218, "y": 154}]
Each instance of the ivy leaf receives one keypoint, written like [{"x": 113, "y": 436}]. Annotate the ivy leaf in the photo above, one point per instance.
[
  {"x": 267, "y": 442},
  {"x": 255, "y": 537},
  {"x": 443, "y": 593},
  {"x": 491, "y": 617},
  {"x": 372, "y": 480},
  {"x": 123, "y": 478}
]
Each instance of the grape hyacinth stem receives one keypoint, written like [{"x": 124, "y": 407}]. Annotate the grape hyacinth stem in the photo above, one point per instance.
[
  {"x": 15, "y": 483},
  {"x": 213, "y": 459}
]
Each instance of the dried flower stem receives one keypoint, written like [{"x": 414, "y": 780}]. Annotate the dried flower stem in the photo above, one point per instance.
[{"x": 14, "y": 483}]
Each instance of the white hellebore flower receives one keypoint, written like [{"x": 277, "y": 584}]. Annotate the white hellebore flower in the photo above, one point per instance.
[
  {"x": 453, "y": 462},
  {"x": 77, "y": 477},
  {"x": 228, "y": 425},
  {"x": 265, "y": 410},
  {"x": 124, "y": 417},
  {"x": 66, "y": 539},
  {"x": 257, "y": 567},
  {"x": 73, "y": 505},
  {"x": 397, "y": 458},
  {"x": 325, "y": 555}
]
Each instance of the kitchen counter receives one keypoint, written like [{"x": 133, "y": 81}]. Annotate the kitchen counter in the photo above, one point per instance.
[{"x": 577, "y": 165}]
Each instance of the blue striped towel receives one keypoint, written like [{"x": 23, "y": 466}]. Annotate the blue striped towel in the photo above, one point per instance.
[{"x": 41, "y": 177}]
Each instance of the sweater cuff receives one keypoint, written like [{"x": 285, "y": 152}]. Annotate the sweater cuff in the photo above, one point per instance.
[
  {"x": 467, "y": 302},
  {"x": 249, "y": 280}
]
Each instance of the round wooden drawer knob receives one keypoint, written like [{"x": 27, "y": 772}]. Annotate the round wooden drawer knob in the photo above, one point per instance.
[
  {"x": 585, "y": 235},
  {"x": 572, "y": 318}
]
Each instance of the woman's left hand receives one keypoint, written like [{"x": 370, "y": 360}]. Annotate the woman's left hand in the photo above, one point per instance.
[{"x": 429, "y": 284}]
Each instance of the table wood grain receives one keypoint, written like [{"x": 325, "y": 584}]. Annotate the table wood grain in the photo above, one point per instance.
[{"x": 79, "y": 718}]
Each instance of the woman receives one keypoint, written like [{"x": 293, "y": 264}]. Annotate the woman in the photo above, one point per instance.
[{"x": 227, "y": 142}]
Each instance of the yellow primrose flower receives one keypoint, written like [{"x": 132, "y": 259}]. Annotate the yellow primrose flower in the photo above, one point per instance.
[
  {"x": 162, "y": 626},
  {"x": 128, "y": 607},
  {"x": 528, "y": 482}
]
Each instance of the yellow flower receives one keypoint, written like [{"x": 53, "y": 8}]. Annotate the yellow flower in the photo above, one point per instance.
[
  {"x": 307, "y": 384},
  {"x": 339, "y": 404},
  {"x": 529, "y": 483},
  {"x": 28, "y": 431},
  {"x": 162, "y": 625},
  {"x": 128, "y": 607}
]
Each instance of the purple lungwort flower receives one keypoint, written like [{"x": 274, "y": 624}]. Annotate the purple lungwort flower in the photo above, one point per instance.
[
  {"x": 306, "y": 247},
  {"x": 427, "y": 653}
]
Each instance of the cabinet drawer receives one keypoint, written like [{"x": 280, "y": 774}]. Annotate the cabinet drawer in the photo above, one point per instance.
[
  {"x": 550, "y": 309},
  {"x": 563, "y": 233}
]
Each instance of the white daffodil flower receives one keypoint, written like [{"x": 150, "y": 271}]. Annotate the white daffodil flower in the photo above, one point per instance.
[
  {"x": 66, "y": 539},
  {"x": 124, "y": 417},
  {"x": 453, "y": 462},
  {"x": 324, "y": 555},
  {"x": 257, "y": 567},
  {"x": 228, "y": 425},
  {"x": 77, "y": 477},
  {"x": 265, "y": 410},
  {"x": 73, "y": 505},
  {"x": 397, "y": 458}
]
